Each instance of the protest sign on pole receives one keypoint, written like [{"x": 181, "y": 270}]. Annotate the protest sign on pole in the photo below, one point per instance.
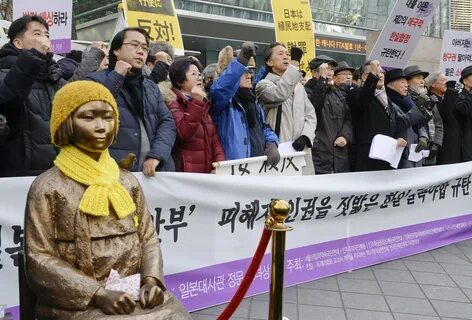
[
  {"x": 402, "y": 32},
  {"x": 58, "y": 15},
  {"x": 456, "y": 53},
  {"x": 294, "y": 27},
  {"x": 158, "y": 18}
]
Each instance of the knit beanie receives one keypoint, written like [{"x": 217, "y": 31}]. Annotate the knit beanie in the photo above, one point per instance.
[{"x": 75, "y": 94}]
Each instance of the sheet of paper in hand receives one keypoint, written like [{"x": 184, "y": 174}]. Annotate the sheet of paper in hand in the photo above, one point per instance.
[{"x": 130, "y": 284}]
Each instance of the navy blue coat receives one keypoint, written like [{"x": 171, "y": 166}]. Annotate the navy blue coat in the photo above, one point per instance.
[{"x": 158, "y": 121}]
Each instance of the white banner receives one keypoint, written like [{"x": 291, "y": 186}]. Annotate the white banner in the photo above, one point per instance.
[
  {"x": 456, "y": 53},
  {"x": 402, "y": 32},
  {"x": 58, "y": 15},
  {"x": 210, "y": 225}
]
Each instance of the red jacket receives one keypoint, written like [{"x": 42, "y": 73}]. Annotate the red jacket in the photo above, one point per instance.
[{"x": 197, "y": 145}]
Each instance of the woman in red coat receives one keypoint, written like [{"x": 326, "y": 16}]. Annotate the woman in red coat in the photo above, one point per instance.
[{"x": 197, "y": 145}]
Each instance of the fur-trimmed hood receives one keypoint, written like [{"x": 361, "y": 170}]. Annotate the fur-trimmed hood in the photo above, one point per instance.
[{"x": 166, "y": 91}]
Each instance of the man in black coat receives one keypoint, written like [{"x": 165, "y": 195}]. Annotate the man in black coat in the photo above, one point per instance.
[
  {"x": 374, "y": 114},
  {"x": 334, "y": 130},
  {"x": 464, "y": 109},
  {"x": 444, "y": 95},
  {"x": 29, "y": 79}
]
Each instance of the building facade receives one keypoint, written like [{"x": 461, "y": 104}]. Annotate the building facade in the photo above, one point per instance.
[{"x": 209, "y": 25}]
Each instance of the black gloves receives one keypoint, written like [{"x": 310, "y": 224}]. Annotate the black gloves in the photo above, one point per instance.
[
  {"x": 272, "y": 153},
  {"x": 451, "y": 84},
  {"x": 422, "y": 100},
  {"x": 29, "y": 61},
  {"x": 422, "y": 144},
  {"x": 296, "y": 54},
  {"x": 4, "y": 129},
  {"x": 248, "y": 50},
  {"x": 300, "y": 143},
  {"x": 433, "y": 150}
]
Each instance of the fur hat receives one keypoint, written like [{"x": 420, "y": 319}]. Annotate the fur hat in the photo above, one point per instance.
[
  {"x": 224, "y": 58},
  {"x": 75, "y": 94}
]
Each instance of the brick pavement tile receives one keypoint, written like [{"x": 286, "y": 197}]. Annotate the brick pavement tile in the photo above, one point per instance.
[
  {"x": 319, "y": 297},
  {"x": 365, "y": 274},
  {"x": 425, "y": 256},
  {"x": 463, "y": 281},
  {"x": 394, "y": 275},
  {"x": 260, "y": 310},
  {"x": 452, "y": 248},
  {"x": 466, "y": 243},
  {"x": 465, "y": 250},
  {"x": 411, "y": 290},
  {"x": 444, "y": 293},
  {"x": 457, "y": 269},
  {"x": 353, "y": 314},
  {"x": 410, "y": 305},
  {"x": 359, "y": 286},
  {"x": 208, "y": 317},
  {"x": 323, "y": 284},
  {"x": 306, "y": 312},
  {"x": 453, "y": 309},
  {"x": 468, "y": 293},
  {"x": 290, "y": 295},
  {"x": 364, "y": 301},
  {"x": 395, "y": 265},
  {"x": 438, "y": 279},
  {"x": 242, "y": 311},
  {"x": 401, "y": 316},
  {"x": 424, "y": 266},
  {"x": 451, "y": 258}
]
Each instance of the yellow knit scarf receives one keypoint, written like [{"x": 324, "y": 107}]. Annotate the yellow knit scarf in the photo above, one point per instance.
[{"x": 102, "y": 179}]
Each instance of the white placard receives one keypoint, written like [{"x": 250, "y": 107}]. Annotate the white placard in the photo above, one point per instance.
[
  {"x": 58, "y": 15},
  {"x": 402, "y": 32},
  {"x": 456, "y": 53},
  {"x": 290, "y": 164}
]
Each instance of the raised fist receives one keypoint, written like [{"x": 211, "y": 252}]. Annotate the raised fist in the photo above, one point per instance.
[{"x": 122, "y": 67}]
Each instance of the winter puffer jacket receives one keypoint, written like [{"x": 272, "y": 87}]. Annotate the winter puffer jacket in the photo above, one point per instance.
[
  {"x": 26, "y": 94},
  {"x": 197, "y": 145}
]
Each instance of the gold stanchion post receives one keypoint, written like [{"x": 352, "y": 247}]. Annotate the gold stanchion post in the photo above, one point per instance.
[{"x": 279, "y": 211}]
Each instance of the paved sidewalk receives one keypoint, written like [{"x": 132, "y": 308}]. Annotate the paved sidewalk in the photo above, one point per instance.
[{"x": 429, "y": 286}]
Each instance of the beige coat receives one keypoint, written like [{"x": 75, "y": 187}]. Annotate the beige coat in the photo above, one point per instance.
[
  {"x": 298, "y": 115},
  {"x": 70, "y": 254}
]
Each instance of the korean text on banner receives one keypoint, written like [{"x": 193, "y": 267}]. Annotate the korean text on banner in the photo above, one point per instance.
[
  {"x": 158, "y": 18},
  {"x": 289, "y": 165},
  {"x": 210, "y": 224},
  {"x": 294, "y": 27},
  {"x": 58, "y": 15},
  {"x": 402, "y": 32},
  {"x": 456, "y": 53}
]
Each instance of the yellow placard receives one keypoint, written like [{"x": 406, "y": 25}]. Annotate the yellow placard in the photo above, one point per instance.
[
  {"x": 157, "y": 17},
  {"x": 294, "y": 27}
]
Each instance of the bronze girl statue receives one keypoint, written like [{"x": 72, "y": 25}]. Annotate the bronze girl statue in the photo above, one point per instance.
[{"x": 86, "y": 216}]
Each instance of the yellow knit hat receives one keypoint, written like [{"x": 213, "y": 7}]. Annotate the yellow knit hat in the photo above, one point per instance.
[{"x": 75, "y": 94}]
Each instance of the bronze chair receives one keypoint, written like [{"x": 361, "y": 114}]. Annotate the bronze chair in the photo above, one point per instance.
[{"x": 27, "y": 297}]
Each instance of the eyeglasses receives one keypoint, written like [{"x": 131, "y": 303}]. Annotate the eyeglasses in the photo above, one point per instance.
[
  {"x": 195, "y": 75},
  {"x": 137, "y": 45},
  {"x": 344, "y": 74}
]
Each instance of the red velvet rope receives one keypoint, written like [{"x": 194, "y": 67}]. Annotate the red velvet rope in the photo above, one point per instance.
[{"x": 248, "y": 277}]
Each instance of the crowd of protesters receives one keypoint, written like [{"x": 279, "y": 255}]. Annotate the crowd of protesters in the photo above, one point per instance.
[{"x": 177, "y": 116}]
